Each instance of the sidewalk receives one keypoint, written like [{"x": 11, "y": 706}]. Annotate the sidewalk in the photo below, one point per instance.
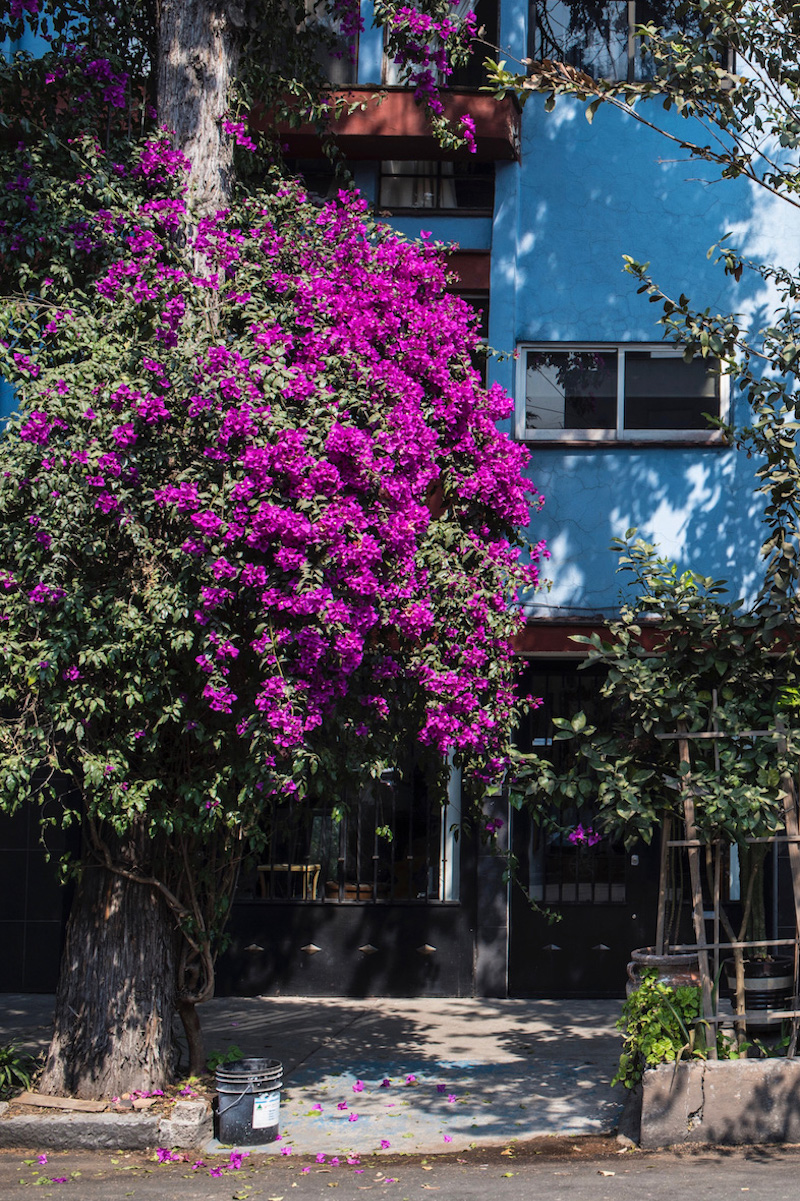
[{"x": 482, "y": 1072}]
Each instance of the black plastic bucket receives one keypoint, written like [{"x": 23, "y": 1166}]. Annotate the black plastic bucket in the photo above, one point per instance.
[
  {"x": 249, "y": 1101},
  {"x": 768, "y": 985}
]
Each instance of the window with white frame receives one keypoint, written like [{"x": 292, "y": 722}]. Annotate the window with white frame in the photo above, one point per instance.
[{"x": 618, "y": 392}]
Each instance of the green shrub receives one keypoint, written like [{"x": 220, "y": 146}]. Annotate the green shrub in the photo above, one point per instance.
[
  {"x": 218, "y": 1058},
  {"x": 16, "y": 1071},
  {"x": 661, "y": 1024}
]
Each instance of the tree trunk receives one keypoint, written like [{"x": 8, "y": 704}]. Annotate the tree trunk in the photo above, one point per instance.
[
  {"x": 197, "y": 61},
  {"x": 115, "y": 1001},
  {"x": 195, "y": 1043}
]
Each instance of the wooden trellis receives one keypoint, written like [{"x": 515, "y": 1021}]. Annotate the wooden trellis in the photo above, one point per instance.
[{"x": 693, "y": 846}]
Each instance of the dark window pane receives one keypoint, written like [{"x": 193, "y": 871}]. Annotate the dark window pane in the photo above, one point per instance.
[
  {"x": 473, "y": 74},
  {"x": 592, "y": 37},
  {"x": 571, "y": 390},
  {"x": 474, "y": 185},
  {"x": 335, "y": 53},
  {"x": 595, "y": 37},
  {"x": 423, "y": 184},
  {"x": 668, "y": 394},
  {"x": 317, "y": 174}
]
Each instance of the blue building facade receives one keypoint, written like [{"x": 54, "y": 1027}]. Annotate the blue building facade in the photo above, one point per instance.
[
  {"x": 539, "y": 219},
  {"x": 615, "y": 422}
]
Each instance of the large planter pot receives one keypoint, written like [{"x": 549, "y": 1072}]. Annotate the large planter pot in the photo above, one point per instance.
[
  {"x": 768, "y": 984},
  {"x": 675, "y": 970}
]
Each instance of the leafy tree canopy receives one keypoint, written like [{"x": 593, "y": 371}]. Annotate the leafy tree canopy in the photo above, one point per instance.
[{"x": 259, "y": 528}]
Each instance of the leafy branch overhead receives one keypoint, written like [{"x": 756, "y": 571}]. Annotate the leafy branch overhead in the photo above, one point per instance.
[
  {"x": 681, "y": 654},
  {"x": 720, "y": 83}
]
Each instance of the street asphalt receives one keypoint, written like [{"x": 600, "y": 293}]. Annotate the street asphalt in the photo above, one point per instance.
[
  {"x": 763, "y": 1174},
  {"x": 408, "y": 1077}
]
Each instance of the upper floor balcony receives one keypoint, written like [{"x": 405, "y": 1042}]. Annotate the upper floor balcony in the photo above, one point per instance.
[{"x": 388, "y": 123}]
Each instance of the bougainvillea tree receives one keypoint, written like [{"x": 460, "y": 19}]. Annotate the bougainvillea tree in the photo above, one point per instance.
[{"x": 257, "y": 525}]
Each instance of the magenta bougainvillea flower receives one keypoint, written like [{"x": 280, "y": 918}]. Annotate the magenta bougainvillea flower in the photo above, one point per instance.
[
  {"x": 258, "y": 517},
  {"x": 584, "y": 834}
]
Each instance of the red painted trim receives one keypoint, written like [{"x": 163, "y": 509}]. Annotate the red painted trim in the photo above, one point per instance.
[
  {"x": 473, "y": 268},
  {"x": 389, "y": 124},
  {"x": 539, "y": 638},
  {"x": 553, "y": 638}
]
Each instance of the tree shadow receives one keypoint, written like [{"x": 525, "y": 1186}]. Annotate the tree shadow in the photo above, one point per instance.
[{"x": 582, "y": 198}]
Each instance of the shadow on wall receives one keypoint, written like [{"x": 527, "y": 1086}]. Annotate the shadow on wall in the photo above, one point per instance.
[
  {"x": 698, "y": 506},
  {"x": 590, "y": 194},
  {"x": 583, "y": 197}
]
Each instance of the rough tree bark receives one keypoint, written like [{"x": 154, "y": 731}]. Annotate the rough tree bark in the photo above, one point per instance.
[
  {"x": 197, "y": 61},
  {"x": 116, "y": 992},
  {"x": 122, "y": 975}
]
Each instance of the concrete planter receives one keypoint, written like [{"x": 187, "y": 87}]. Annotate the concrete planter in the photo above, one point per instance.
[
  {"x": 736, "y": 1101},
  {"x": 188, "y": 1127}
]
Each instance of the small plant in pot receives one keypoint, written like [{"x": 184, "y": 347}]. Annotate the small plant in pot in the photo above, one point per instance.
[
  {"x": 660, "y": 1024},
  {"x": 684, "y": 657}
]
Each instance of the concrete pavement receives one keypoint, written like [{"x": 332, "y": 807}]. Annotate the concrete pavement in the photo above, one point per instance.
[{"x": 460, "y": 1072}]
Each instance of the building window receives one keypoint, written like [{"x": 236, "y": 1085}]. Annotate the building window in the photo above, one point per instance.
[
  {"x": 473, "y": 73},
  {"x": 335, "y": 53},
  {"x": 391, "y": 845},
  {"x": 421, "y": 184},
  {"x": 317, "y": 174},
  {"x": 599, "y": 393},
  {"x": 600, "y": 39}
]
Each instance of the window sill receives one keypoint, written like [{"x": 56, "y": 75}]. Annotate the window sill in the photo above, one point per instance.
[{"x": 659, "y": 441}]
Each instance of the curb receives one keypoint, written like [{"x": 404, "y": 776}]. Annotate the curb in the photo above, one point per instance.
[{"x": 188, "y": 1128}]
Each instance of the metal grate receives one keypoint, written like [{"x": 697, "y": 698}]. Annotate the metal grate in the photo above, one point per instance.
[
  {"x": 566, "y": 866},
  {"x": 392, "y": 845}
]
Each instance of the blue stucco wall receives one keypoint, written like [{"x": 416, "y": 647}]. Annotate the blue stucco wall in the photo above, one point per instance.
[{"x": 582, "y": 197}]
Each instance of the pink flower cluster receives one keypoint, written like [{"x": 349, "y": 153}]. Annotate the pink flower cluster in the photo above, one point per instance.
[
  {"x": 584, "y": 834},
  {"x": 424, "y": 50},
  {"x": 17, "y": 8},
  {"x": 339, "y": 490}
]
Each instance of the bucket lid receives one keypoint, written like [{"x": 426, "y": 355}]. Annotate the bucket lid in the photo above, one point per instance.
[{"x": 243, "y": 1071}]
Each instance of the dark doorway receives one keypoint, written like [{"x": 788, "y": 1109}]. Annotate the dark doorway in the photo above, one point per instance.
[{"x": 599, "y": 898}]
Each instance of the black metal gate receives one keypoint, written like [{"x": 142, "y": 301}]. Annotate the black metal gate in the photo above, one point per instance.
[
  {"x": 599, "y": 899},
  {"x": 372, "y": 898}
]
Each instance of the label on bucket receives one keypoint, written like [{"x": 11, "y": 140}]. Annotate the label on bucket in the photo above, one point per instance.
[{"x": 266, "y": 1107}]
